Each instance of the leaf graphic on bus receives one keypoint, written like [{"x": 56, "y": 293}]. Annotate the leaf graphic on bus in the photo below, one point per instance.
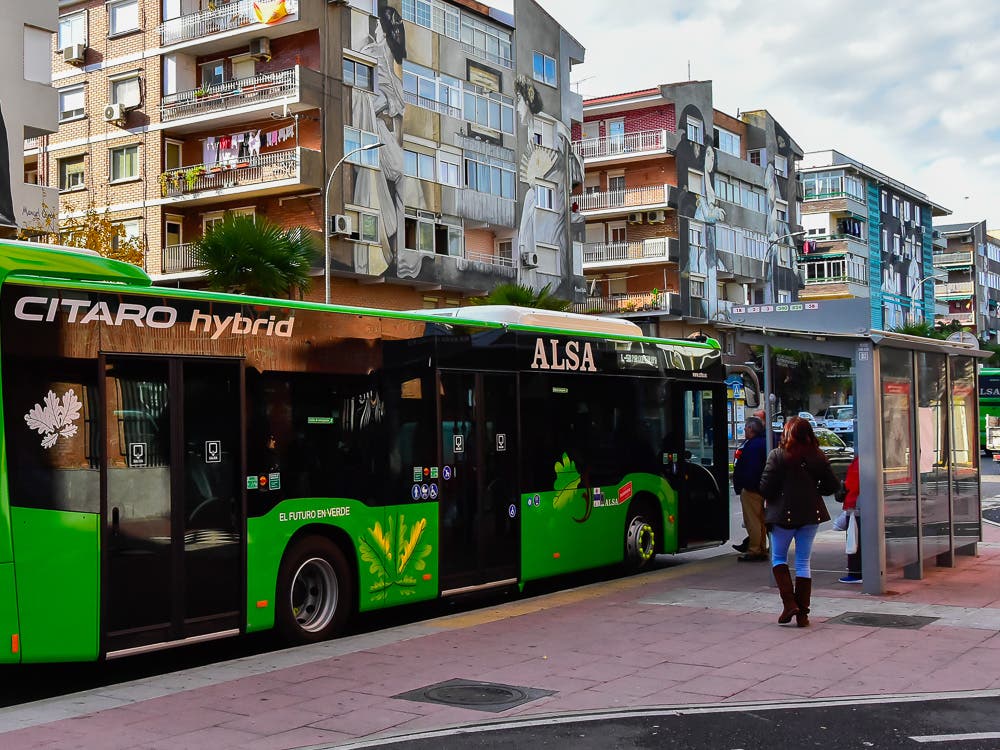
[
  {"x": 56, "y": 418},
  {"x": 567, "y": 480},
  {"x": 376, "y": 548}
]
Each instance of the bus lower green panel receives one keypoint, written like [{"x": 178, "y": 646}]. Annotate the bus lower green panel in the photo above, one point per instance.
[
  {"x": 394, "y": 549},
  {"x": 569, "y": 529},
  {"x": 9, "y": 632},
  {"x": 57, "y": 566}
]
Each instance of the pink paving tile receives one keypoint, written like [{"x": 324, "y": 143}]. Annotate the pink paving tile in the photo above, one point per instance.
[
  {"x": 339, "y": 703},
  {"x": 716, "y": 686},
  {"x": 673, "y": 672},
  {"x": 585, "y": 700},
  {"x": 755, "y": 694},
  {"x": 363, "y": 723},
  {"x": 717, "y": 656},
  {"x": 633, "y": 686},
  {"x": 180, "y": 722},
  {"x": 40, "y": 736},
  {"x": 298, "y": 738},
  {"x": 604, "y": 670},
  {"x": 212, "y": 737},
  {"x": 319, "y": 686},
  {"x": 749, "y": 670},
  {"x": 791, "y": 683},
  {"x": 275, "y": 721},
  {"x": 112, "y": 738},
  {"x": 250, "y": 705}
]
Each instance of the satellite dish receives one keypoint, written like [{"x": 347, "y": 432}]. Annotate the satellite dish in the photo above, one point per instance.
[{"x": 963, "y": 337}]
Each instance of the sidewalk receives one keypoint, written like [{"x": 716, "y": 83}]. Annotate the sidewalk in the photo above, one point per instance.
[{"x": 700, "y": 632}]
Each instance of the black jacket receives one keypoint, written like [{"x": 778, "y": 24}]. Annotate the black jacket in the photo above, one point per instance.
[{"x": 793, "y": 491}]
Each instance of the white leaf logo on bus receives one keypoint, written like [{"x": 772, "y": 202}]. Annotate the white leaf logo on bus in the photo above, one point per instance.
[{"x": 56, "y": 419}]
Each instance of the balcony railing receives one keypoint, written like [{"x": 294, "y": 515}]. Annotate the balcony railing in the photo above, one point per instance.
[
  {"x": 964, "y": 319},
  {"x": 493, "y": 260},
  {"x": 953, "y": 259},
  {"x": 277, "y": 165},
  {"x": 837, "y": 238},
  {"x": 837, "y": 278},
  {"x": 630, "y": 302},
  {"x": 224, "y": 17},
  {"x": 644, "y": 141},
  {"x": 606, "y": 252},
  {"x": 230, "y": 95},
  {"x": 954, "y": 288},
  {"x": 179, "y": 258},
  {"x": 646, "y": 197},
  {"x": 434, "y": 105}
]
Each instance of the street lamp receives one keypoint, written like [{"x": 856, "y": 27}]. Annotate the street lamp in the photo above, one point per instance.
[
  {"x": 918, "y": 289},
  {"x": 326, "y": 213}
]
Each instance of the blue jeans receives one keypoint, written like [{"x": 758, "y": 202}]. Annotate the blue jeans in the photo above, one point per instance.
[{"x": 781, "y": 540}]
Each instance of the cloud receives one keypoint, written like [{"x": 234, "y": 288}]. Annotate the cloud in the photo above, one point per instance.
[{"x": 907, "y": 88}]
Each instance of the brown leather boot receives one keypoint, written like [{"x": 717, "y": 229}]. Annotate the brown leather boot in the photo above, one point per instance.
[
  {"x": 783, "y": 578},
  {"x": 803, "y": 592}
]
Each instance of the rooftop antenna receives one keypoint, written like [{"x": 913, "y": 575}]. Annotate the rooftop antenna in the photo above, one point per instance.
[
  {"x": 689, "y": 70},
  {"x": 576, "y": 84}
]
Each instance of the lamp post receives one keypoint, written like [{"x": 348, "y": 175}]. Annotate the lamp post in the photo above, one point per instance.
[
  {"x": 918, "y": 289},
  {"x": 769, "y": 261},
  {"x": 326, "y": 213}
]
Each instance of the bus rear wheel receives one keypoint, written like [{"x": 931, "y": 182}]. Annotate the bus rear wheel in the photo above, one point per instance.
[
  {"x": 640, "y": 542},
  {"x": 315, "y": 591}
]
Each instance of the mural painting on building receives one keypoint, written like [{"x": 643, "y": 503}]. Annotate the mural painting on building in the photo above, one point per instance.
[
  {"x": 6, "y": 201},
  {"x": 698, "y": 211}
]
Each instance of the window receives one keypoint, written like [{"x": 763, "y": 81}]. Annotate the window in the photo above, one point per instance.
[
  {"x": 696, "y": 234},
  {"x": 71, "y": 103},
  {"x": 419, "y": 230},
  {"x": 544, "y": 196},
  {"x": 73, "y": 29},
  {"x": 487, "y": 41},
  {"x": 418, "y": 165},
  {"x": 697, "y": 286},
  {"x": 488, "y": 108},
  {"x": 505, "y": 249},
  {"x": 173, "y": 155},
  {"x": 782, "y": 210},
  {"x": 432, "y": 15},
  {"x": 755, "y": 156},
  {"x": 354, "y": 139},
  {"x": 450, "y": 169},
  {"x": 213, "y": 73},
  {"x": 131, "y": 231},
  {"x": 895, "y": 206},
  {"x": 71, "y": 173},
  {"x": 907, "y": 211},
  {"x": 885, "y": 202},
  {"x": 124, "y": 163},
  {"x": 885, "y": 240},
  {"x": 781, "y": 165},
  {"x": 123, "y": 16},
  {"x": 696, "y": 182},
  {"x": 695, "y": 130},
  {"x": 431, "y": 90},
  {"x": 896, "y": 247},
  {"x": 368, "y": 227},
  {"x": 488, "y": 175},
  {"x": 916, "y": 213},
  {"x": 358, "y": 74},
  {"x": 125, "y": 91},
  {"x": 209, "y": 220},
  {"x": 544, "y": 68},
  {"x": 784, "y": 295},
  {"x": 728, "y": 142}
]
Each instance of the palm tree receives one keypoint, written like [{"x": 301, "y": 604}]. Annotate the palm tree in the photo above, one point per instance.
[
  {"x": 521, "y": 295},
  {"x": 251, "y": 255}
]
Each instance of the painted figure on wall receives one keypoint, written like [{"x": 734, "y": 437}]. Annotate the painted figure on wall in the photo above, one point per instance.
[
  {"x": 6, "y": 201},
  {"x": 382, "y": 114}
]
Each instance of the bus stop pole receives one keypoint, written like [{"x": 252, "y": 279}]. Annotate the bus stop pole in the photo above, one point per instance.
[{"x": 766, "y": 397}]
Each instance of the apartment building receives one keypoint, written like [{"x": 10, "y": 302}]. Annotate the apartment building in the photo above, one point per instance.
[
  {"x": 867, "y": 236},
  {"x": 689, "y": 211},
  {"x": 174, "y": 112},
  {"x": 967, "y": 277},
  {"x": 27, "y": 112}
]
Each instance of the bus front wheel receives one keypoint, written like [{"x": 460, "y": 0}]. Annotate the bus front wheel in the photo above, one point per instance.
[{"x": 315, "y": 591}]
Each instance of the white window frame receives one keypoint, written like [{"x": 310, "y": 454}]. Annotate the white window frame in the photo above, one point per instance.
[
  {"x": 697, "y": 286},
  {"x": 884, "y": 199},
  {"x": 895, "y": 206},
  {"x": 784, "y": 296},
  {"x": 781, "y": 165},
  {"x": 208, "y": 220},
  {"x": 485, "y": 162},
  {"x": 113, "y": 7},
  {"x": 545, "y": 196},
  {"x": 79, "y": 88},
  {"x": 478, "y": 37},
  {"x": 112, "y": 152},
  {"x": 500, "y": 251},
  {"x": 173, "y": 219},
  {"x": 755, "y": 156},
  {"x": 221, "y": 64},
  {"x": 729, "y": 142},
  {"x": 69, "y": 20},
  {"x": 696, "y": 234},
  {"x": 449, "y": 163},
  {"x": 548, "y": 251},
  {"x": 782, "y": 209},
  {"x": 547, "y": 76},
  {"x": 696, "y": 178},
  {"x": 64, "y": 184},
  {"x": 125, "y": 224},
  {"x": 424, "y": 170},
  {"x": 362, "y": 215},
  {"x": 367, "y": 158},
  {"x": 113, "y": 93},
  {"x": 695, "y": 130},
  {"x": 355, "y": 64},
  {"x": 167, "y": 144}
]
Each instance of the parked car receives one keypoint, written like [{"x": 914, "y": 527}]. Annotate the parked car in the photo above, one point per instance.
[
  {"x": 837, "y": 452},
  {"x": 778, "y": 423},
  {"x": 840, "y": 419}
]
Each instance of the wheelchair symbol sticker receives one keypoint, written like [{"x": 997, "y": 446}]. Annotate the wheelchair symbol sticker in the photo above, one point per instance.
[
  {"x": 434, "y": 492},
  {"x": 136, "y": 454},
  {"x": 446, "y": 473},
  {"x": 213, "y": 451}
]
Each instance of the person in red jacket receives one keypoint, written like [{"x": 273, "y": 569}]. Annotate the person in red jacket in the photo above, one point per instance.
[{"x": 853, "y": 484}]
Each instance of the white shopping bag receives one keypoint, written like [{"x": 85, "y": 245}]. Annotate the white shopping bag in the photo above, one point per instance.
[{"x": 852, "y": 534}]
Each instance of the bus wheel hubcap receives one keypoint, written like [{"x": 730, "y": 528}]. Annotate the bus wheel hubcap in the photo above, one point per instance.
[
  {"x": 314, "y": 594},
  {"x": 640, "y": 540}
]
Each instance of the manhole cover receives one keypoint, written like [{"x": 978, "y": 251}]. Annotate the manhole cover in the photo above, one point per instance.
[
  {"x": 992, "y": 514},
  {"x": 481, "y": 696},
  {"x": 878, "y": 620}
]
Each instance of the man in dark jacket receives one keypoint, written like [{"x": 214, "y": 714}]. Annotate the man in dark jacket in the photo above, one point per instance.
[{"x": 750, "y": 460}]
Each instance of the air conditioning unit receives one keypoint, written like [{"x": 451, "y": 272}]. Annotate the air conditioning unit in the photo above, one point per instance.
[
  {"x": 114, "y": 112},
  {"x": 530, "y": 260},
  {"x": 635, "y": 218},
  {"x": 656, "y": 217},
  {"x": 260, "y": 48},
  {"x": 73, "y": 54},
  {"x": 340, "y": 225}
]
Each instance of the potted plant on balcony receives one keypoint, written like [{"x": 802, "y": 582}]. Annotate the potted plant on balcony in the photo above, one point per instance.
[{"x": 192, "y": 174}]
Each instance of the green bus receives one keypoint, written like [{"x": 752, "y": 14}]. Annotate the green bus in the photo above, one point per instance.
[
  {"x": 989, "y": 402},
  {"x": 180, "y": 466}
]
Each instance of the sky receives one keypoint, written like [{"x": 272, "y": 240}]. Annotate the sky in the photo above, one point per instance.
[{"x": 912, "y": 89}]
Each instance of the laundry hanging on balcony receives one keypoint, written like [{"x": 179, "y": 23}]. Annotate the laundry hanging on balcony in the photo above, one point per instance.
[{"x": 269, "y": 11}]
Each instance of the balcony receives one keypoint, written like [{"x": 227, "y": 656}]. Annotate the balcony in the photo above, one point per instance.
[
  {"x": 625, "y": 200},
  {"x": 739, "y": 267},
  {"x": 658, "y": 250},
  {"x": 953, "y": 260},
  {"x": 221, "y": 23},
  {"x": 177, "y": 258},
  {"x": 630, "y": 145},
  {"x": 955, "y": 289},
  {"x": 268, "y": 174},
  {"x": 964, "y": 319},
  {"x": 631, "y": 302},
  {"x": 229, "y": 101}
]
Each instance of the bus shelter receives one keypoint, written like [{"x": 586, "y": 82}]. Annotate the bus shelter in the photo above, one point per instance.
[{"x": 916, "y": 432}]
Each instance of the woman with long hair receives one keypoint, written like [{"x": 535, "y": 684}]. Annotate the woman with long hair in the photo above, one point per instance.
[{"x": 795, "y": 478}]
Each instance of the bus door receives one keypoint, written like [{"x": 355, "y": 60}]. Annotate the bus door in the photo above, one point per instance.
[
  {"x": 698, "y": 464},
  {"x": 173, "y": 501},
  {"x": 478, "y": 504}
]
